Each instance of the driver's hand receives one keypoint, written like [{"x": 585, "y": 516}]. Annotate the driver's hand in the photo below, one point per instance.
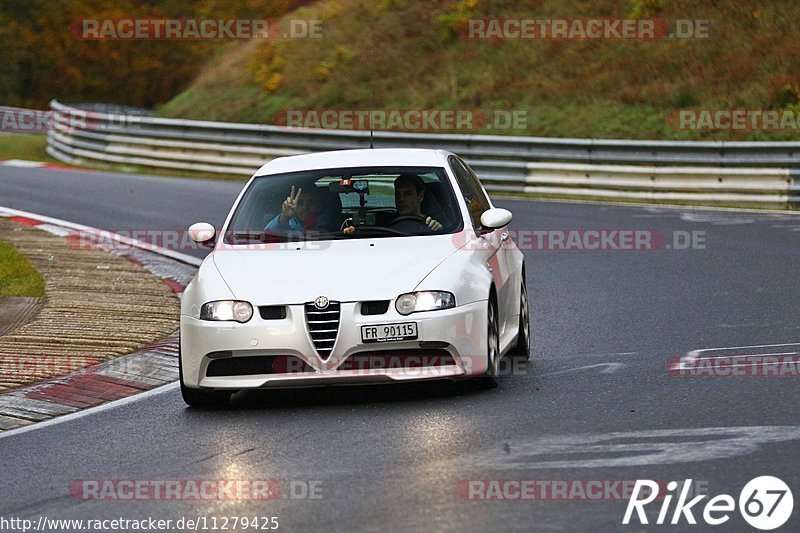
[{"x": 433, "y": 224}]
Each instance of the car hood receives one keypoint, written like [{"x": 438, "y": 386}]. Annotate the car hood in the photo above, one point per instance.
[{"x": 353, "y": 270}]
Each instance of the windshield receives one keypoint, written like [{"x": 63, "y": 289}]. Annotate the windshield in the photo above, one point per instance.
[{"x": 346, "y": 203}]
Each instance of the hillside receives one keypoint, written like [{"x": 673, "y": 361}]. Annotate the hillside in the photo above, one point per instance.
[{"x": 412, "y": 55}]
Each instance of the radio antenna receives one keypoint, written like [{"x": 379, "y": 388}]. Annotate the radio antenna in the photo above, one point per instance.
[{"x": 371, "y": 134}]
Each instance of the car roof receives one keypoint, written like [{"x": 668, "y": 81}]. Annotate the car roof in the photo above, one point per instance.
[{"x": 357, "y": 158}]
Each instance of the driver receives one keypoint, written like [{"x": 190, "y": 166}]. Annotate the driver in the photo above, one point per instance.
[{"x": 409, "y": 191}]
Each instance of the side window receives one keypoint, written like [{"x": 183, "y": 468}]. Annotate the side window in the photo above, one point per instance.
[{"x": 470, "y": 187}]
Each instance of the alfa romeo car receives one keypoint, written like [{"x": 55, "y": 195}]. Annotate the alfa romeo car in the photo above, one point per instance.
[{"x": 354, "y": 267}]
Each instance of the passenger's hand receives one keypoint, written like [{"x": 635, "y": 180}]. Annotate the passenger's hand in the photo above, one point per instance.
[
  {"x": 289, "y": 207},
  {"x": 433, "y": 224}
]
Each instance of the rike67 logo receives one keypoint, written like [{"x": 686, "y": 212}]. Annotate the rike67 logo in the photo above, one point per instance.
[{"x": 765, "y": 503}]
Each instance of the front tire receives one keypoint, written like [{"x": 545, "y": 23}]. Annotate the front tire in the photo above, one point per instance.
[
  {"x": 522, "y": 349},
  {"x": 202, "y": 398},
  {"x": 489, "y": 379}
]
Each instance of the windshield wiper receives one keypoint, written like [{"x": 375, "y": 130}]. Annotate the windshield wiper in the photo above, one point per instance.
[
  {"x": 244, "y": 237},
  {"x": 380, "y": 229}
]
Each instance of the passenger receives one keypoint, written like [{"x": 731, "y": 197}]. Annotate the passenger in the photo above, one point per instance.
[
  {"x": 301, "y": 212},
  {"x": 409, "y": 191}
]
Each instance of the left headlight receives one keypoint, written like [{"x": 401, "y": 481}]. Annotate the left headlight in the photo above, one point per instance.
[
  {"x": 414, "y": 302},
  {"x": 227, "y": 310}
]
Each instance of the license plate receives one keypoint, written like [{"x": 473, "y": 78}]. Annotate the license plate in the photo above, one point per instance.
[{"x": 389, "y": 332}]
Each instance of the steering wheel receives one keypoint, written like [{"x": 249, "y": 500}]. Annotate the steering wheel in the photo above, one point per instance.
[
  {"x": 409, "y": 218},
  {"x": 410, "y": 223}
]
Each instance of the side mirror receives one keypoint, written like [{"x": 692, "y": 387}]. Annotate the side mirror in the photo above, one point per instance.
[
  {"x": 496, "y": 218},
  {"x": 202, "y": 233}
]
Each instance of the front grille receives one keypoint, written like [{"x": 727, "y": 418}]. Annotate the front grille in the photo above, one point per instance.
[
  {"x": 323, "y": 326},
  {"x": 377, "y": 307},
  {"x": 400, "y": 358},
  {"x": 260, "y": 364}
]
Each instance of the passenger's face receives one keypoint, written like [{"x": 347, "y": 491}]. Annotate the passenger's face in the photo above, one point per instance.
[
  {"x": 407, "y": 199},
  {"x": 306, "y": 204}
]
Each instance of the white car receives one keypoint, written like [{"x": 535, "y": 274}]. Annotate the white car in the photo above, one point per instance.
[{"x": 394, "y": 266}]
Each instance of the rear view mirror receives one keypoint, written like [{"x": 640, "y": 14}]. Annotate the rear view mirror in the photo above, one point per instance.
[{"x": 347, "y": 185}]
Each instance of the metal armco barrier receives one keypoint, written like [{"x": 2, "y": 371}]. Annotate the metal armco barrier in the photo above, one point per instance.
[{"x": 731, "y": 172}]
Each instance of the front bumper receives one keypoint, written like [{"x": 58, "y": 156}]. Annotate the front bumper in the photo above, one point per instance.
[{"x": 460, "y": 331}]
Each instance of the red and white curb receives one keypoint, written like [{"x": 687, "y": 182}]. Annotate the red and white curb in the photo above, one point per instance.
[{"x": 125, "y": 376}]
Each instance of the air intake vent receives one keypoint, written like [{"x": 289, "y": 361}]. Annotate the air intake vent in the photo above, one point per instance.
[
  {"x": 272, "y": 312},
  {"x": 378, "y": 307},
  {"x": 261, "y": 364},
  {"x": 323, "y": 326}
]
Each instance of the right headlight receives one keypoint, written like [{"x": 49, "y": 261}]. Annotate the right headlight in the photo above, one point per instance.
[
  {"x": 227, "y": 310},
  {"x": 415, "y": 302}
]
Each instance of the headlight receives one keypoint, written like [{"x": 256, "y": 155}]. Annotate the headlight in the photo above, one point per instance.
[
  {"x": 414, "y": 302},
  {"x": 227, "y": 310}
]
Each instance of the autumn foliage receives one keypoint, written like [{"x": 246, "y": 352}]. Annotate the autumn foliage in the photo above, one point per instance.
[{"x": 42, "y": 59}]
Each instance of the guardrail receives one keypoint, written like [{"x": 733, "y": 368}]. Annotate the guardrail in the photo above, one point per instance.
[{"x": 733, "y": 172}]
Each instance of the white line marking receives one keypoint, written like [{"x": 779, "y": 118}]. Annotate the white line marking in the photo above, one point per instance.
[
  {"x": 749, "y": 365},
  {"x": 694, "y": 354},
  {"x": 681, "y": 364},
  {"x": 637, "y": 205},
  {"x": 22, "y": 163},
  {"x": 578, "y": 355},
  {"x": 609, "y": 368},
  {"x": 751, "y": 346},
  {"x": 90, "y": 411},
  {"x": 632, "y": 448},
  {"x": 734, "y": 356}
]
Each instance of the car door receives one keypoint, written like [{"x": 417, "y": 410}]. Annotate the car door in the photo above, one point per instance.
[
  {"x": 493, "y": 242},
  {"x": 506, "y": 255}
]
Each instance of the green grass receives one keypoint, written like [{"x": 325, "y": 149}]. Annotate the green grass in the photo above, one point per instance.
[
  {"x": 25, "y": 147},
  {"x": 17, "y": 275},
  {"x": 32, "y": 148}
]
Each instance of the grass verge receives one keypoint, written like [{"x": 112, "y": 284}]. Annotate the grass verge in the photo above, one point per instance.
[
  {"x": 25, "y": 147},
  {"x": 17, "y": 275}
]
